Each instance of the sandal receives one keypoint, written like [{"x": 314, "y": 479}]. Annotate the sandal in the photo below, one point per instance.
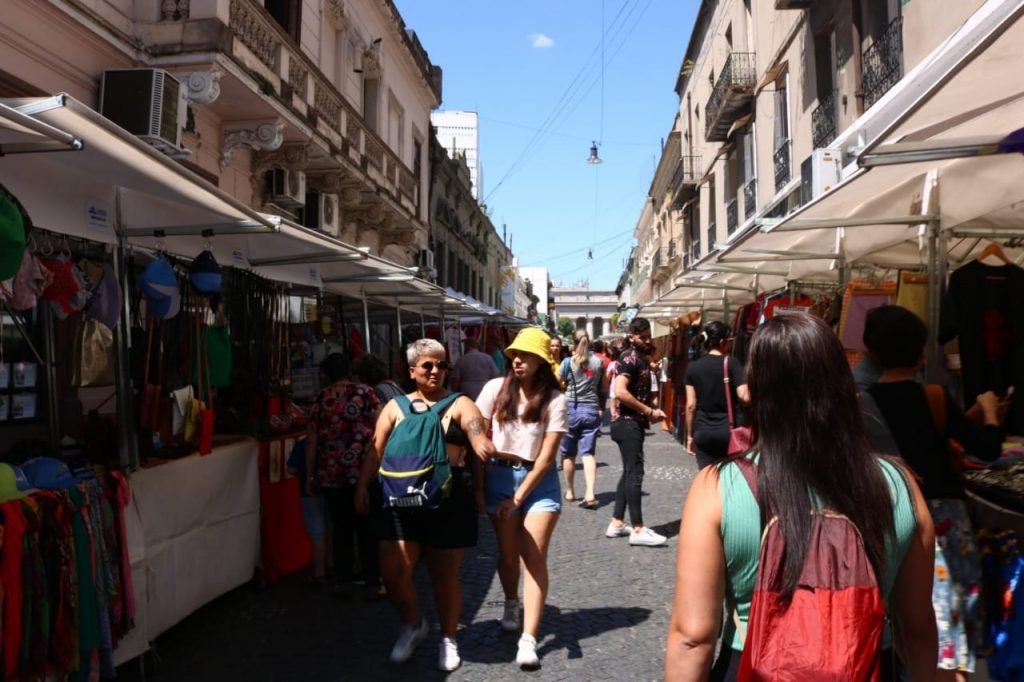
[{"x": 589, "y": 504}]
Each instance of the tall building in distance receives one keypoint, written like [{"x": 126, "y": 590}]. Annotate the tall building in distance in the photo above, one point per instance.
[{"x": 459, "y": 133}]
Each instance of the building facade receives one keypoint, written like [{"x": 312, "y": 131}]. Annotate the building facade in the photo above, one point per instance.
[
  {"x": 318, "y": 110},
  {"x": 459, "y": 134},
  {"x": 465, "y": 250},
  {"x": 589, "y": 309},
  {"x": 539, "y": 290},
  {"x": 764, "y": 88}
]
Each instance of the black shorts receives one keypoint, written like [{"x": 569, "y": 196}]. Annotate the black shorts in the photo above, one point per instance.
[{"x": 453, "y": 525}]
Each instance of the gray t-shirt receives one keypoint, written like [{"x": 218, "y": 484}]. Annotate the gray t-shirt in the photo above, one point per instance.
[{"x": 582, "y": 384}]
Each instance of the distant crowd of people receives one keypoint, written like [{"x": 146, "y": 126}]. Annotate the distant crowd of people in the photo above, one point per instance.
[{"x": 824, "y": 470}]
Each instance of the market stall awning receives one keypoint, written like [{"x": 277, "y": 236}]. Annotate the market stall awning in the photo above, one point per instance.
[
  {"x": 111, "y": 166},
  {"x": 869, "y": 217}
]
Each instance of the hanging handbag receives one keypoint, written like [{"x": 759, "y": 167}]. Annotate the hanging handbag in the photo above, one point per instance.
[
  {"x": 739, "y": 436},
  {"x": 93, "y": 361}
]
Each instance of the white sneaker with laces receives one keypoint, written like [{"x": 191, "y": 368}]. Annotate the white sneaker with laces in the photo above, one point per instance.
[
  {"x": 646, "y": 538},
  {"x": 408, "y": 638},
  {"x": 510, "y": 618},
  {"x": 617, "y": 531},
  {"x": 449, "y": 659},
  {"x": 526, "y": 657}
]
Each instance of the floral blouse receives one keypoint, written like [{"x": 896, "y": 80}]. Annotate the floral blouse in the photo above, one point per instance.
[{"x": 343, "y": 419}]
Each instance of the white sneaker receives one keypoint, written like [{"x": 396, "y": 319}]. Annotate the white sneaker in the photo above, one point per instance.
[
  {"x": 449, "y": 659},
  {"x": 646, "y": 538},
  {"x": 617, "y": 531},
  {"x": 527, "y": 654},
  {"x": 510, "y": 618},
  {"x": 410, "y": 636}
]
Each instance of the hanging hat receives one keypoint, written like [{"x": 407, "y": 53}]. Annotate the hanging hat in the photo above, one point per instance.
[
  {"x": 160, "y": 287},
  {"x": 67, "y": 289},
  {"x": 30, "y": 283},
  {"x": 12, "y": 236},
  {"x": 205, "y": 274},
  {"x": 48, "y": 473},
  {"x": 12, "y": 483},
  {"x": 105, "y": 305},
  {"x": 532, "y": 340}
]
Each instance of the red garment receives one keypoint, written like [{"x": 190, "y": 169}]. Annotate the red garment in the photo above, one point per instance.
[
  {"x": 123, "y": 497},
  {"x": 787, "y": 301},
  {"x": 10, "y": 576}
]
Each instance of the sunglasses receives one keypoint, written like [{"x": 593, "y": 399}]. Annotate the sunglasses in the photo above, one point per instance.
[{"x": 442, "y": 366}]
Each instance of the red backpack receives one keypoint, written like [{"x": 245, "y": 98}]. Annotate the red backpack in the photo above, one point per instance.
[{"x": 832, "y": 628}]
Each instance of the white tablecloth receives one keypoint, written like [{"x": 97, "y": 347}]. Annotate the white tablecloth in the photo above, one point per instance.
[{"x": 193, "y": 532}]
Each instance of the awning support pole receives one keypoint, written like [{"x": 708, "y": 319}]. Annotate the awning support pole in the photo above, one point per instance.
[
  {"x": 53, "y": 401},
  {"x": 128, "y": 447},
  {"x": 725, "y": 306},
  {"x": 398, "y": 327},
  {"x": 423, "y": 325},
  {"x": 936, "y": 273},
  {"x": 366, "y": 321}
]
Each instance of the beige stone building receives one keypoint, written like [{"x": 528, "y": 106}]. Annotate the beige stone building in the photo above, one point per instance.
[
  {"x": 318, "y": 110},
  {"x": 466, "y": 251},
  {"x": 765, "y": 87}
]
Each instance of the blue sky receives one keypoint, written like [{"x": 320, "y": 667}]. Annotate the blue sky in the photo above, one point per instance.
[{"x": 531, "y": 65}]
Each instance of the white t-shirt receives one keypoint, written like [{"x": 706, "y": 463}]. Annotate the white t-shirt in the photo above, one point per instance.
[{"x": 517, "y": 437}]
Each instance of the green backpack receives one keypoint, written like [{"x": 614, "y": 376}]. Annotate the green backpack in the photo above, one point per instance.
[{"x": 414, "y": 469}]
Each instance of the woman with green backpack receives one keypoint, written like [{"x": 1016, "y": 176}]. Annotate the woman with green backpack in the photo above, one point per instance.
[{"x": 429, "y": 448}]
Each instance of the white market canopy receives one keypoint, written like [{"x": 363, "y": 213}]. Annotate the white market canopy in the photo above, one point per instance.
[{"x": 106, "y": 179}]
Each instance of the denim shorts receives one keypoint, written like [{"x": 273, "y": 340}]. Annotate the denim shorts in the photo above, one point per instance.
[
  {"x": 584, "y": 426},
  {"x": 501, "y": 483},
  {"x": 315, "y": 517}
]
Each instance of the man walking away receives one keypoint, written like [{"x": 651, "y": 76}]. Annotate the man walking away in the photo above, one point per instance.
[
  {"x": 633, "y": 391},
  {"x": 473, "y": 370}
]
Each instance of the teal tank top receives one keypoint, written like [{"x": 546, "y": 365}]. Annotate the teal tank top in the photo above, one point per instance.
[{"x": 741, "y": 540}]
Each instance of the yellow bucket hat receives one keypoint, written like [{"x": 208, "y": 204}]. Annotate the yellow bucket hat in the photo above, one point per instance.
[{"x": 532, "y": 340}]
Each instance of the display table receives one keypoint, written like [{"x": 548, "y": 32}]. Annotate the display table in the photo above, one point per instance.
[{"x": 193, "y": 533}]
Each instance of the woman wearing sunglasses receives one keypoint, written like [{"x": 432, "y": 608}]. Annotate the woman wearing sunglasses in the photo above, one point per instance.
[
  {"x": 439, "y": 535},
  {"x": 529, "y": 416}
]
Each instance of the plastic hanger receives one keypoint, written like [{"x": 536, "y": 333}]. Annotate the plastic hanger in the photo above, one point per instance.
[{"x": 993, "y": 250}]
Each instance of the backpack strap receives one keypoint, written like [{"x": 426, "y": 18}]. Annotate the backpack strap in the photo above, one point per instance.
[
  {"x": 444, "y": 403},
  {"x": 749, "y": 471},
  {"x": 936, "y": 396},
  {"x": 402, "y": 400}
]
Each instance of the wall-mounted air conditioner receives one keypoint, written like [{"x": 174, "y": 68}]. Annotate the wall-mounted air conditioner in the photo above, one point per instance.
[
  {"x": 819, "y": 173},
  {"x": 321, "y": 212},
  {"x": 287, "y": 187},
  {"x": 149, "y": 103}
]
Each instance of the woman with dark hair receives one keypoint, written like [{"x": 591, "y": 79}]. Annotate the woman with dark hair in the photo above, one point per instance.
[
  {"x": 707, "y": 407},
  {"x": 339, "y": 437},
  {"x": 811, "y": 454},
  {"x": 374, "y": 372},
  {"x": 922, "y": 420},
  {"x": 528, "y": 415},
  {"x": 586, "y": 387}
]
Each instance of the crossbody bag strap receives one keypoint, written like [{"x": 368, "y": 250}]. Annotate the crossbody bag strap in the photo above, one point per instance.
[{"x": 728, "y": 391}]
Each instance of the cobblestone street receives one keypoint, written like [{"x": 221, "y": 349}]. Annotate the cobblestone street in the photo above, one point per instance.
[{"x": 606, "y": 617}]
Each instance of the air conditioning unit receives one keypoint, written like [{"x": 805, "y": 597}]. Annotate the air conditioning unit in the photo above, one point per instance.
[
  {"x": 321, "y": 212},
  {"x": 149, "y": 103},
  {"x": 425, "y": 264},
  {"x": 287, "y": 187},
  {"x": 819, "y": 173}
]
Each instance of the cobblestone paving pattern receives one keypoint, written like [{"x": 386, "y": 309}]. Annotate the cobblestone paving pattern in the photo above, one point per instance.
[{"x": 606, "y": 618}]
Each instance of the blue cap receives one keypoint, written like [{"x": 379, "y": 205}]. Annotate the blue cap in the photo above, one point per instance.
[{"x": 48, "y": 473}]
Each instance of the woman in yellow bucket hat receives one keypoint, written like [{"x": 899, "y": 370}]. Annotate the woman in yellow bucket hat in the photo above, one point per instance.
[{"x": 528, "y": 415}]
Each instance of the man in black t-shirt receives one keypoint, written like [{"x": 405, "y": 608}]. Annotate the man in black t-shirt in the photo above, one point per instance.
[{"x": 633, "y": 391}]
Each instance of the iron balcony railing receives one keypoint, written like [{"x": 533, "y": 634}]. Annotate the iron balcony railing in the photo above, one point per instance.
[
  {"x": 712, "y": 235},
  {"x": 735, "y": 85},
  {"x": 684, "y": 180},
  {"x": 750, "y": 198},
  {"x": 883, "y": 63},
  {"x": 656, "y": 260},
  {"x": 781, "y": 159},
  {"x": 672, "y": 249},
  {"x": 732, "y": 216},
  {"x": 695, "y": 248},
  {"x": 823, "y": 121}
]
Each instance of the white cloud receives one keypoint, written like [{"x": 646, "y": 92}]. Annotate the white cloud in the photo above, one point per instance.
[{"x": 541, "y": 41}]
